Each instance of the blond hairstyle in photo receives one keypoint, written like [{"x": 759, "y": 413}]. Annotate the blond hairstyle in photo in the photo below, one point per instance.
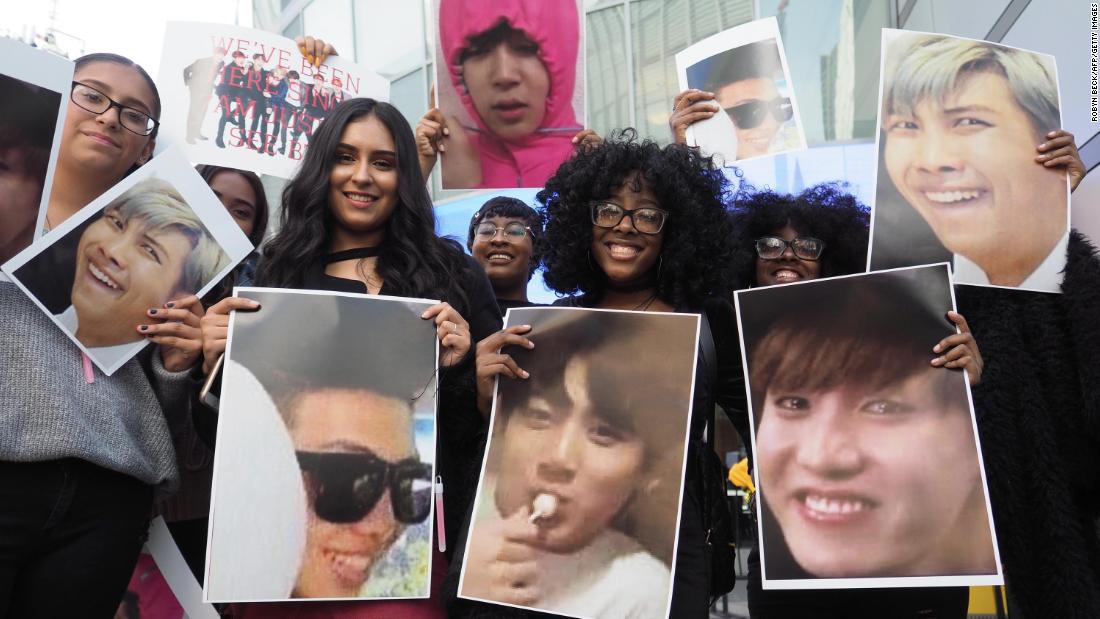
[
  {"x": 931, "y": 67},
  {"x": 159, "y": 207}
]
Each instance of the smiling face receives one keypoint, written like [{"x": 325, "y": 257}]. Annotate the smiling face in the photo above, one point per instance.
[
  {"x": 507, "y": 82},
  {"x": 788, "y": 267},
  {"x": 123, "y": 268},
  {"x": 507, "y": 261},
  {"x": 97, "y": 143},
  {"x": 339, "y": 556},
  {"x": 562, "y": 446},
  {"x": 238, "y": 198},
  {"x": 627, "y": 257},
  {"x": 868, "y": 483},
  {"x": 363, "y": 184},
  {"x": 757, "y": 140},
  {"x": 968, "y": 168}
]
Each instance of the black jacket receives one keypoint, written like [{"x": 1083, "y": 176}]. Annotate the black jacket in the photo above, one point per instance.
[{"x": 1038, "y": 412}]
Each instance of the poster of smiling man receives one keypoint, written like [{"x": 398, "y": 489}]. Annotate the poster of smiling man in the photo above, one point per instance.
[
  {"x": 248, "y": 99},
  {"x": 867, "y": 459},
  {"x": 106, "y": 274},
  {"x": 745, "y": 68},
  {"x": 578, "y": 507},
  {"x": 959, "y": 123},
  {"x": 343, "y": 429},
  {"x": 34, "y": 96},
  {"x": 509, "y": 82}
]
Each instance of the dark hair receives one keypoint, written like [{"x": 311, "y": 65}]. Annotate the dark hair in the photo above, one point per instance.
[
  {"x": 412, "y": 260},
  {"x": 126, "y": 62},
  {"x": 871, "y": 330},
  {"x": 754, "y": 60},
  {"x": 489, "y": 39},
  {"x": 504, "y": 206},
  {"x": 27, "y": 122},
  {"x": 292, "y": 74},
  {"x": 696, "y": 253},
  {"x": 259, "y": 227},
  {"x": 825, "y": 211}
]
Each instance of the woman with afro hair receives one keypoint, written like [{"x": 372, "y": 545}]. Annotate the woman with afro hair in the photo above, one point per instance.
[
  {"x": 783, "y": 238},
  {"x": 634, "y": 226}
]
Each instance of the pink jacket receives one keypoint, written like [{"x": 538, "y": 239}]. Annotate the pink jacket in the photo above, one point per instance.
[{"x": 555, "y": 26}]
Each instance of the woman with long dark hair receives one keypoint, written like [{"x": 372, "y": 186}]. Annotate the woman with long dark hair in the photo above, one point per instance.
[{"x": 358, "y": 218}]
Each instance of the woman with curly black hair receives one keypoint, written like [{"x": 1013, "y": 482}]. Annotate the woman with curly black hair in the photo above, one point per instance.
[
  {"x": 633, "y": 226},
  {"x": 785, "y": 238},
  {"x": 357, "y": 217}
]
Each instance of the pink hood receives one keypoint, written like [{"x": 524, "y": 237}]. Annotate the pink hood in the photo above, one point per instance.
[{"x": 554, "y": 25}]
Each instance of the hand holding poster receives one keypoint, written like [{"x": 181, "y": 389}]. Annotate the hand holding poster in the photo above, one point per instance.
[
  {"x": 160, "y": 235},
  {"x": 745, "y": 68},
  {"x": 578, "y": 506},
  {"x": 959, "y": 120},
  {"x": 510, "y": 85},
  {"x": 867, "y": 457},
  {"x": 247, "y": 99},
  {"x": 34, "y": 96},
  {"x": 332, "y": 395}
]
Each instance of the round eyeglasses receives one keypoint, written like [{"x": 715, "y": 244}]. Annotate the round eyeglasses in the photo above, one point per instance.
[
  {"x": 133, "y": 120},
  {"x": 515, "y": 230},
  {"x": 804, "y": 247},
  {"x": 647, "y": 220}
]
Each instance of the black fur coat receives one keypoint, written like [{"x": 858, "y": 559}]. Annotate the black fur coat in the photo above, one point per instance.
[{"x": 1038, "y": 409}]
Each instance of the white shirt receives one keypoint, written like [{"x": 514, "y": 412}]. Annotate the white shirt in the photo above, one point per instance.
[
  {"x": 612, "y": 577},
  {"x": 1047, "y": 277},
  {"x": 107, "y": 356}
]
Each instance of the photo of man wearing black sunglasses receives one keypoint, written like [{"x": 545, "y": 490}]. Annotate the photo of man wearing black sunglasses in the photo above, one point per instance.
[
  {"x": 359, "y": 424},
  {"x": 739, "y": 78}
]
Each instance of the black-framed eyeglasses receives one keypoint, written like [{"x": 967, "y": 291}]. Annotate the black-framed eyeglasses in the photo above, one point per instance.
[
  {"x": 345, "y": 487},
  {"x": 647, "y": 220},
  {"x": 514, "y": 230},
  {"x": 750, "y": 114},
  {"x": 804, "y": 247},
  {"x": 96, "y": 102}
]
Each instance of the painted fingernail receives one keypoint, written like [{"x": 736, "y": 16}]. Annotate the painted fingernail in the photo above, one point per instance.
[
  {"x": 524, "y": 373},
  {"x": 144, "y": 327},
  {"x": 152, "y": 312},
  {"x": 446, "y": 131},
  {"x": 936, "y": 348},
  {"x": 169, "y": 305}
]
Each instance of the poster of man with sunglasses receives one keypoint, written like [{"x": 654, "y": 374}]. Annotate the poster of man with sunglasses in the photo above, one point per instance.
[
  {"x": 323, "y": 474},
  {"x": 745, "y": 69}
]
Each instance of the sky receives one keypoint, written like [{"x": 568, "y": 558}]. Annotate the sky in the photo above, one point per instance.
[{"x": 133, "y": 28}]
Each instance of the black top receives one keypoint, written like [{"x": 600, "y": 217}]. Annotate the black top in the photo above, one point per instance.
[{"x": 506, "y": 304}]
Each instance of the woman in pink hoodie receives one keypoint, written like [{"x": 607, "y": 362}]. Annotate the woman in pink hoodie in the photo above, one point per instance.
[{"x": 513, "y": 64}]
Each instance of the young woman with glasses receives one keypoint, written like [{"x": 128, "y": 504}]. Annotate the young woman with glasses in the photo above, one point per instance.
[
  {"x": 505, "y": 239},
  {"x": 784, "y": 238},
  {"x": 357, "y": 217},
  {"x": 82, "y": 455},
  {"x": 633, "y": 226}
]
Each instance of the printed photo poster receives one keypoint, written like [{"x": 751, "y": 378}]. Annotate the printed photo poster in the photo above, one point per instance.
[
  {"x": 162, "y": 586},
  {"x": 510, "y": 84},
  {"x": 332, "y": 396},
  {"x": 959, "y": 122},
  {"x": 867, "y": 457},
  {"x": 746, "y": 69},
  {"x": 158, "y": 236},
  {"x": 578, "y": 506},
  {"x": 248, "y": 99},
  {"x": 34, "y": 96}
]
